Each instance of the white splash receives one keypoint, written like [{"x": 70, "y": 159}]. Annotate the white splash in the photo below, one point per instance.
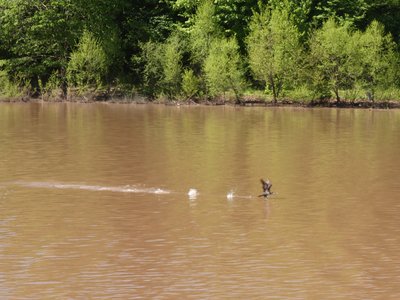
[
  {"x": 160, "y": 191},
  {"x": 230, "y": 195},
  {"x": 192, "y": 194}
]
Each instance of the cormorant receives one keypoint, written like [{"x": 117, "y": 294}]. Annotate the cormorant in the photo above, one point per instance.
[{"x": 266, "y": 186}]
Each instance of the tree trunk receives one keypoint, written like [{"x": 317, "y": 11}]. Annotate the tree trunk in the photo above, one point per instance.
[
  {"x": 336, "y": 91},
  {"x": 273, "y": 87},
  {"x": 64, "y": 85}
]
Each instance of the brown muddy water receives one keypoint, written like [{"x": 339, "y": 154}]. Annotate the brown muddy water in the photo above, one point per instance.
[{"x": 94, "y": 202}]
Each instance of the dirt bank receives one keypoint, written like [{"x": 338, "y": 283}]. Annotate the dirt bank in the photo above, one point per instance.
[{"x": 216, "y": 102}]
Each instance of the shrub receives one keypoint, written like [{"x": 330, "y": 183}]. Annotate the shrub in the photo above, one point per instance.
[
  {"x": 190, "y": 84},
  {"x": 12, "y": 88},
  {"x": 87, "y": 66},
  {"x": 223, "y": 69},
  {"x": 274, "y": 50},
  {"x": 301, "y": 93},
  {"x": 53, "y": 87},
  {"x": 171, "y": 61},
  {"x": 152, "y": 71},
  {"x": 377, "y": 59},
  {"x": 332, "y": 50},
  {"x": 204, "y": 30},
  {"x": 347, "y": 61}
]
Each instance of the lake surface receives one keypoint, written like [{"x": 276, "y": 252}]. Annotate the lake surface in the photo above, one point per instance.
[{"x": 94, "y": 202}]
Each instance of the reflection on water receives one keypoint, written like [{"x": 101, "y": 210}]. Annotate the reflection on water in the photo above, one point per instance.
[{"x": 95, "y": 202}]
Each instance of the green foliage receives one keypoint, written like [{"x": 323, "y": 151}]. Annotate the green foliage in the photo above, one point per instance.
[
  {"x": 9, "y": 88},
  {"x": 349, "y": 53},
  {"x": 172, "y": 65},
  {"x": 298, "y": 12},
  {"x": 162, "y": 72},
  {"x": 387, "y": 94},
  {"x": 230, "y": 16},
  {"x": 223, "y": 69},
  {"x": 53, "y": 87},
  {"x": 377, "y": 58},
  {"x": 112, "y": 47},
  {"x": 348, "y": 11},
  {"x": 233, "y": 16},
  {"x": 343, "y": 58},
  {"x": 152, "y": 73},
  {"x": 274, "y": 50},
  {"x": 190, "y": 84},
  {"x": 386, "y": 12},
  {"x": 204, "y": 30},
  {"x": 332, "y": 50},
  {"x": 88, "y": 64},
  {"x": 301, "y": 93},
  {"x": 36, "y": 37}
]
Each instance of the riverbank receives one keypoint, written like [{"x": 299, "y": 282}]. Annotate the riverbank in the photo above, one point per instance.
[{"x": 245, "y": 102}]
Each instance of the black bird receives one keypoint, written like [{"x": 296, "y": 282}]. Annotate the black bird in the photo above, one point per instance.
[{"x": 266, "y": 186}]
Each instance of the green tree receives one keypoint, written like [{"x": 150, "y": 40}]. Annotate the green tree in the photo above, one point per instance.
[
  {"x": 332, "y": 53},
  {"x": 341, "y": 58},
  {"x": 299, "y": 12},
  {"x": 233, "y": 16},
  {"x": 351, "y": 11},
  {"x": 386, "y": 12},
  {"x": 88, "y": 64},
  {"x": 203, "y": 31},
  {"x": 172, "y": 65},
  {"x": 223, "y": 68},
  {"x": 36, "y": 37},
  {"x": 140, "y": 22},
  {"x": 162, "y": 70},
  {"x": 152, "y": 73},
  {"x": 274, "y": 50},
  {"x": 377, "y": 58}
]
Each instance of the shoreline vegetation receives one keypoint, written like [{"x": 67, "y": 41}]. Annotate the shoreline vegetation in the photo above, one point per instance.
[{"x": 310, "y": 53}]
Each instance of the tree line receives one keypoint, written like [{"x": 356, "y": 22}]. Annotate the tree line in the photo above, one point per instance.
[{"x": 201, "y": 49}]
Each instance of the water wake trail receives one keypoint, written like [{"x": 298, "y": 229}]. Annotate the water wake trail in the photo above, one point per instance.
[
  {"x": 192, "y": 193},
  {"x": 231, "y": 196},
  {"x": 123, "y": 189}
]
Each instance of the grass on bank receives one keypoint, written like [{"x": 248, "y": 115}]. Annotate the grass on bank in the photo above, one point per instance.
[{"x": 12, "y": 89}]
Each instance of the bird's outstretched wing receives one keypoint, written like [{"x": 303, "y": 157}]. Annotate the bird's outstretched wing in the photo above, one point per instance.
[{"x": 266, "y": 184}]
